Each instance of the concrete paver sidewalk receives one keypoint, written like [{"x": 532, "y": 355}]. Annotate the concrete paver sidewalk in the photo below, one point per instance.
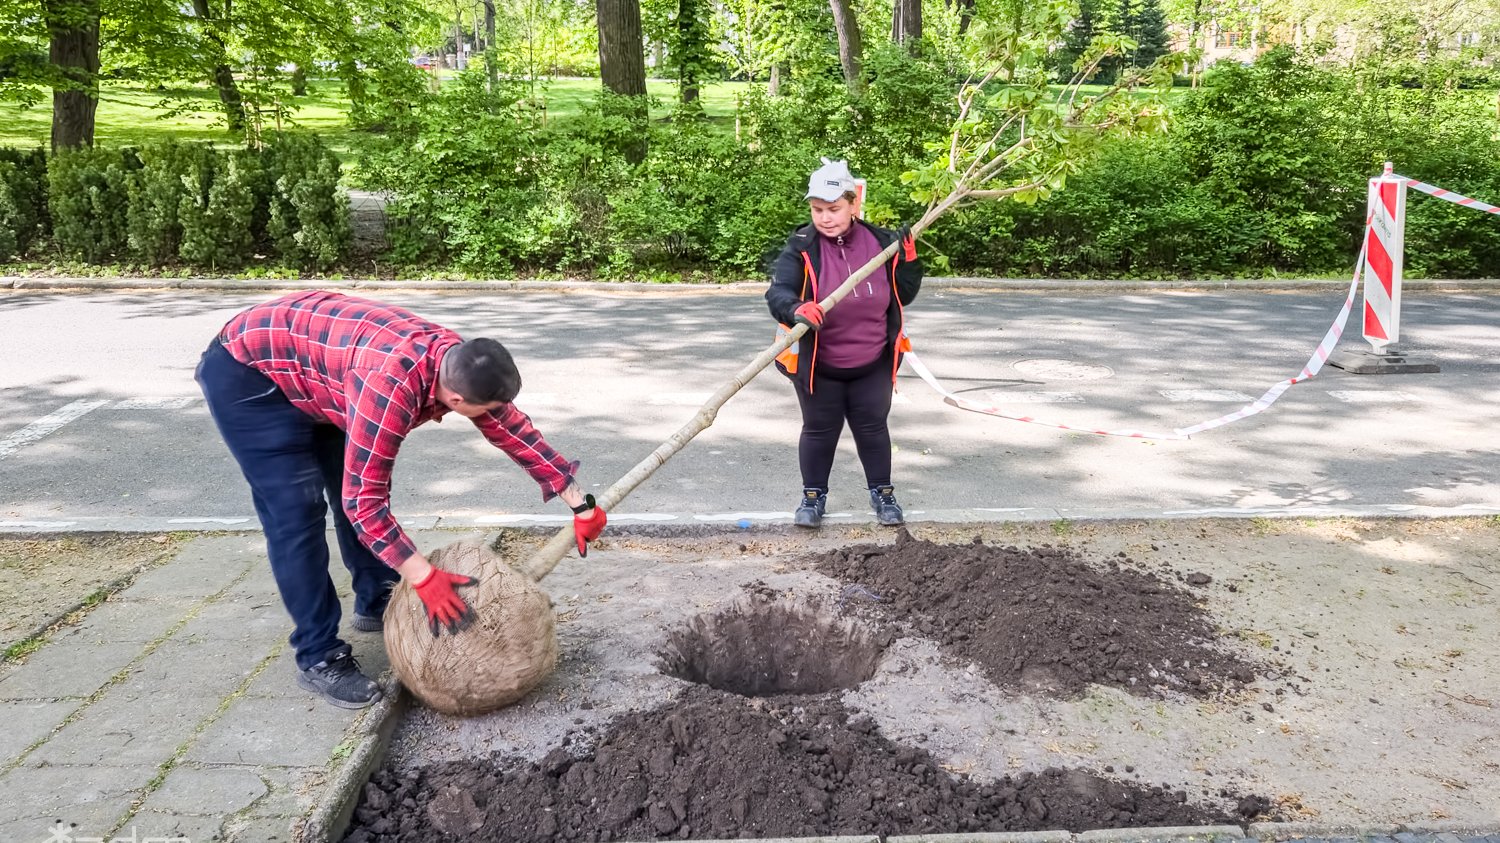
[{"x": 172, "y": 711}]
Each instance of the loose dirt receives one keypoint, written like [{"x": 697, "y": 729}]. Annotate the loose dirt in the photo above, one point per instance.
[
  {"x": 717, "y": 765},
  {"x": 1374, "y": 646},
  {"x": 41, "y": 578},
  {"x": 1041, "y": 619}
]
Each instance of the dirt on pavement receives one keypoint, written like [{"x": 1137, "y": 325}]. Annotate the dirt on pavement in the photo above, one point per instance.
[
  {"x": 1373, "y": 699},
  {"x": 42, "y": 577}
]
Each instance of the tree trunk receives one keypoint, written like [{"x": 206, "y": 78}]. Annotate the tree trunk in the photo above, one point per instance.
[
  {"x": 223, "y": 75},
  {"x": 906, "y": 23},
  {"x": 773, "y": 87},
  {"x": 73, "y": 28},
  {"x": 690, "y": 48},
  {"x": 622, "y": 63},
  {"x": 849, "y": 46},
  {"x": 489, "y": 44},
  {"x": 299, "y": 81},
  {"x": 965, "y": 15}
]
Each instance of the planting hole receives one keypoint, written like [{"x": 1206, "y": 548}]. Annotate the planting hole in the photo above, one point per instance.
[{"x": 759, "y": 648}]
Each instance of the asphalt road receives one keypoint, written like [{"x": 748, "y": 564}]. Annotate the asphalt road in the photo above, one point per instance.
[{"x": 100, "y": 418}]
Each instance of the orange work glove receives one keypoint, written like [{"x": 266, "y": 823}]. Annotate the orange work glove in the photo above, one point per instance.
[
  {"x": 445, "y": 609},
  {"x": 908, "y": 250},
  {"x": 811, "y": 315},
  {"x": 588, "y": 525}
]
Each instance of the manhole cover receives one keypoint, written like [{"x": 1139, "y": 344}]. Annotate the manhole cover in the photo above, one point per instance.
[
  {"x": 1049, "y": 369},
  {"x": 760, "y": 648}
]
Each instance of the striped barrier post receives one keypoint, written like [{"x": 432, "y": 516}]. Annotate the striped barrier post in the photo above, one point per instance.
[{"x": 1385, "y": 236}]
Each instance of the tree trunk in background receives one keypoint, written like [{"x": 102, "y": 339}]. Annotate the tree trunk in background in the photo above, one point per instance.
[
  {"x": 299, "y": 81},
  {"x": 849, "y": 44},
  {"x": 223, "y": 76},
  {"x": 773, "y": 88},
  {"x": 906, "y": 23},
  {"x": 492, "y": 72},
  {"x": 622, "y": 63},
  {"x": 73, "y": 29},
  {"x": 965, "y": 15}
]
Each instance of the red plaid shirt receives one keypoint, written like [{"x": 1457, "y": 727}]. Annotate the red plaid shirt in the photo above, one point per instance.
[{"x": 372, "y": 370}]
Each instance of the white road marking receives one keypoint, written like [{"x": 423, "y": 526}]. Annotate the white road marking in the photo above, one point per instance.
[
  {"x": 36, "y": 525},
  {"x": 526, "y": 399},
  {"x": 679, "y": 399},
  {"x": 45, "y": 425},
  {"x": 154, "y": 404},
  {"x": 1370, "y": 396},
  {"x": 1036, "y": 398},
  {"x": 225, "y": 521},
  {"x": 1225, "y": 396}
]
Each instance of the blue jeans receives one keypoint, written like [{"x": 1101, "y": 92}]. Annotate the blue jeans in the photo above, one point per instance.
[{"x": 295, "y": 467}]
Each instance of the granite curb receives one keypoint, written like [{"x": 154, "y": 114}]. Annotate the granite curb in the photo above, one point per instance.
[
  {"x": 646, "y": 523},
  {"x": 332, "y": 811},
  {"x": 122, "y": 284}
]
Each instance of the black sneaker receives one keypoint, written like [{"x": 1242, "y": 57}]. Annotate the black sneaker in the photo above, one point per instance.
[
  {"x": 810, "y": 511},
  {"x": 883, "y": 501},
  {"x": 365, "y": 623},
  {"x": 339, "y": 680}
]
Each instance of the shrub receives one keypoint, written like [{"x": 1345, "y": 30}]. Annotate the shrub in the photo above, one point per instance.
[
  {"x": 88, "y": 199},
  {"x": 308, "y": 218},
  {"x": 155, "y": 194},
  {"x": 216, "y": 209},
  {"x": 25, "y": 185}
]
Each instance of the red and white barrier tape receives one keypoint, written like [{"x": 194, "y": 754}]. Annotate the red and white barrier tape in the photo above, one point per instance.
[
  {"x": 1450, "y": 196},
  {"x": 1314, "y": 365}
]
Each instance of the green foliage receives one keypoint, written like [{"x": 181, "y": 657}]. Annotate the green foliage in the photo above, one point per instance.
[
  {"x": 155, "y": 193},
  {"x": 88, "y": 200},
  {"x": 23, "y": 183},
  {"x": 217, "y": 208},
  {"x": 309, "y": 214}
]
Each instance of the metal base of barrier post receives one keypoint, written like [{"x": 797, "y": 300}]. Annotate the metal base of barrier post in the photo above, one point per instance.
[{"x": 1390, "y": 362}]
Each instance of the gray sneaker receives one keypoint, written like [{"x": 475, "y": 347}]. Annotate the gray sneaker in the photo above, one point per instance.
[
  {"x": 365, "y": 623},
  {"x": 810, "y": 511},
  {"x": 340, "y": 681},
  {"x": 883, "y": 501}
]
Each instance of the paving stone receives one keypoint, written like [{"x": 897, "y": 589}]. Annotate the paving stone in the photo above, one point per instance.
[
  {"x": 202, "y": 667},
  {"x": 987, "y": 837},
  {"x": 1406, "y": 837},
  {"x": 67, "y": 668},
  {"x": 176, "y": 580},
  {"x": 93, "y": 797},
  {"x": 155, "y": 825},
  {"x": 93, "y": 821},
  {"x": 277, "y": 732},
  {"x": 121, "y": 730},
  {"x": 262, "y": 830},
  {"x": 1183, "y": 834},
  {"x": 119, "y": 620},
  {"x": 258, "y": 620},
  {"x": 28, "y": 722},
  {"x": 292, "y": 791},
  {"x": 207, "y": 791}
]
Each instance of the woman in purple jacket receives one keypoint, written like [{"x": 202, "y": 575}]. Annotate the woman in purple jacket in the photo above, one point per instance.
[{"x": 845, "y": 366}]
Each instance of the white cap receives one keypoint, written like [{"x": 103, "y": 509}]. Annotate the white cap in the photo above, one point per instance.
[{"x": 830, "y": 182}]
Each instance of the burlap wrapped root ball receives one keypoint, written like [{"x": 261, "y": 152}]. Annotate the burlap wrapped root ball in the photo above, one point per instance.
[{"x": 508, "y": 649}]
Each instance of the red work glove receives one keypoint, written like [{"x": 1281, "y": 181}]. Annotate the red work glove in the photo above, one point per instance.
[
  {"x": 444, "y": 607},
  {"x": 588, "y": 525},
  {"x": 810, "y": 314},
  {"x": 908, "y": 250}
]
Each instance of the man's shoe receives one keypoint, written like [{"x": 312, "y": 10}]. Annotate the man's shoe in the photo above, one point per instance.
[
  {"x": 810, "y": 511},
  {"x": 339, "y": 680},
  {"x": 365, "y": 623},
  {"x": 883, "y": 501}
]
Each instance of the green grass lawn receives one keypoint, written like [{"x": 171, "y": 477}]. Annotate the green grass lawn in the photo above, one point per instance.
[{"x": 133, "y": 114}]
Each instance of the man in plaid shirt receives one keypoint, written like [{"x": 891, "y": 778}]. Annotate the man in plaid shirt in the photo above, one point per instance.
[{"x": 314, "y": 394}]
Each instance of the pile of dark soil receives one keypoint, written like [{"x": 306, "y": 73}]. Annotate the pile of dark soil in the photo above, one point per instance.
[
  {"x": 715, "y": 765},
  {"x": 1041, "y": 619}
]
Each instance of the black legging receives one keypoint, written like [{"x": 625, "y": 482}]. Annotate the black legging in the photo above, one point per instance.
[{"x": 863, "y": 396}]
